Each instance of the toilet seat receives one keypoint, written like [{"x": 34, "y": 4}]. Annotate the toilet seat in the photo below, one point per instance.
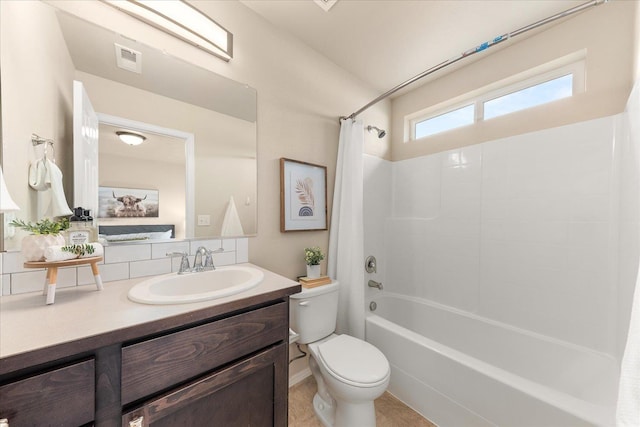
[{"x": 354, "y": 361}]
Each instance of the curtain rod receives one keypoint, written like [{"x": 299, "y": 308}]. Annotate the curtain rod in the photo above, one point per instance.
[{"x": 475, "y": 50}]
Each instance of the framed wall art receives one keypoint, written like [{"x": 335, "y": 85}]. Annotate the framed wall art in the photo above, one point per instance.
[
  {"x": 114, "y": 202},
  {"x": 303, "y": 196}
]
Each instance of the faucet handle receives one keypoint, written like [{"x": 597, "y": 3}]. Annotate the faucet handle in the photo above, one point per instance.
[
  {"x": 184, "y": 263},
  {"x": 208, "y": 261}
]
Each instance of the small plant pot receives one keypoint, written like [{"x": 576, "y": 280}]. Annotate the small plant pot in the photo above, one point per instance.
[
  {"x": 313, "y": 271},
  {"x": 33, "y": 246}
]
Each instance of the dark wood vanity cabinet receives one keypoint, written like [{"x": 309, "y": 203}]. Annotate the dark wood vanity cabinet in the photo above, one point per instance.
[
  {"x": 240, "y": 370},
  {"x": 252, "y": 392},
  {"x": 58, "y": 397},
  {"x": 228, "y": 370}
]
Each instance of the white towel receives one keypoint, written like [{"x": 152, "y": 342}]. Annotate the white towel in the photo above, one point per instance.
[
  {"x": 55, "y": 253},
  {"x": 46, "y": 178},
  {"x": 628, "y": 410},
  {"x": 231, "y": 225}
]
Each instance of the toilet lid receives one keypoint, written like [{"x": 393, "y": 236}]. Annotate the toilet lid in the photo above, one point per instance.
[{"x": 354, "y": 360}]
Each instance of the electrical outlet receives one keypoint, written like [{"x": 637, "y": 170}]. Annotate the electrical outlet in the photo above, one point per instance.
[{"x": 204, "y": 220}]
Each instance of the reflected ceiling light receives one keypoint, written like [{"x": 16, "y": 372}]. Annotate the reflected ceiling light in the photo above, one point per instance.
[
  {"x": 181, "y": 20},
  {"x": 131, "y": 138}
]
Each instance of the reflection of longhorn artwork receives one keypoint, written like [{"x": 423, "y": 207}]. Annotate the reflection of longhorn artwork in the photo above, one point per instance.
[
  {"x": 127, "y": 203},
  {"x": 303, "y": 196}
]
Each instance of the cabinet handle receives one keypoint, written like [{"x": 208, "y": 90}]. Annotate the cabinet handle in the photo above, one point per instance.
[
  {"x": 4, "y": 422},
  {"x": 136, "y": 422}
]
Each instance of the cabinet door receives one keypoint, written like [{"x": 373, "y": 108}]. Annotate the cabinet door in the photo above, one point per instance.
[
  {"x": 63, "y": 397},
  {"x": 252, "y": 392}
]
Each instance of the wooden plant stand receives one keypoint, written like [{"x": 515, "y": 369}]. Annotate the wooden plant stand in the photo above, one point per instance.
[{"x": 52, "y": 273}]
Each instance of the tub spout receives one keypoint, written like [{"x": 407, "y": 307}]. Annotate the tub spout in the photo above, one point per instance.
[{"x": 374, "y": 284}]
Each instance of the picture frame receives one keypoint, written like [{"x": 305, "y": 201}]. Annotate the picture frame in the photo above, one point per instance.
[
  {"x": 303, "y": 196},
  {"x": 119, "y": 202}
]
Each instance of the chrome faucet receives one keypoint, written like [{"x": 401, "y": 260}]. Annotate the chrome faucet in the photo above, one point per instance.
[
  {"x": 198, "y": 265},
  {"x": 184, "y": 263},
  {"x": 374, "y": 284},
  {"x": 207, "y": 264}
]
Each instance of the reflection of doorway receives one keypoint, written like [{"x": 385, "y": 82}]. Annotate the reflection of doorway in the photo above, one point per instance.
[{"x": 163, "y": 162}]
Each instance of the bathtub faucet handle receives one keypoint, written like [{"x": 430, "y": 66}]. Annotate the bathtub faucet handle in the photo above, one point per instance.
[
  {"x": 374, "y": 284},
  {"x": 370, "y": 264}
]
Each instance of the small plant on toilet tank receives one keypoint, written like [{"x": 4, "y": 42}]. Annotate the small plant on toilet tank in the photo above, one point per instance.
[{"x": 312, "y": 257}]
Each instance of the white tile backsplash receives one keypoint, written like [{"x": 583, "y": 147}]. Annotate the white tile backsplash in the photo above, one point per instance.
[
  {"x": 160, "y": 250},
  {"x": 121, "y": 262},
  {"x": 112, "y": 272},
  {"x": 149, "y": 267},
  {"x": 121, "y": 253},
  {"x": 242, "y": 250}
]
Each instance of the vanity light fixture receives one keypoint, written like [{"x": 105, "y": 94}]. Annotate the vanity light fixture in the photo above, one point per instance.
[
  {"x": 131, "y": 138},
  {"x": 180, "y": 19},
  {"x": 6, "y": 202}
]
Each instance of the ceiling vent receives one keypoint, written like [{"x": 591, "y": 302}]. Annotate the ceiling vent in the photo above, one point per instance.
[
  {"x": 325, "y": 4},
  {"x": 128, "y": 59}
]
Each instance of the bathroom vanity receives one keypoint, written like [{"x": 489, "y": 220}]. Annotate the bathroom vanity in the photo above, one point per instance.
[{"x": 96, "y": 358}]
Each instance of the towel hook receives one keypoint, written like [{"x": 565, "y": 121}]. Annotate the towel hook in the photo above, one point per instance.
[{"x": 38, "y": 140}]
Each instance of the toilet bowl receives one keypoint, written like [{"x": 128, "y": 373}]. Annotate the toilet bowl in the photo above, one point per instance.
[{"x": 350, "y": 373}]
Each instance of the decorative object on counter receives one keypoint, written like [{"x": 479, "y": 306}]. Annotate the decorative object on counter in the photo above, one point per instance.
[
  {"x": 312, "y": 257},
  {"x": 231, "y": 225},
  {"x": 303, "y": 196},
  {"x": 52, "y": 273},
  {"x": 44, "y": 233},
  {"x": 308, "y": 282},
  {"x": 67, "y": 252},
  {"x": 81, "y": 229},
  {"x": 116, "y": 202}
]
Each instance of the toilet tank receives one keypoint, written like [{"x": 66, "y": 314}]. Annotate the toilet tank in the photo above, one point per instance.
[{"x": 313, "y": 312}]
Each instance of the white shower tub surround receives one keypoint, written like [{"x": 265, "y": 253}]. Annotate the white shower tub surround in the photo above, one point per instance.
[{"x": 459, "y": 369}]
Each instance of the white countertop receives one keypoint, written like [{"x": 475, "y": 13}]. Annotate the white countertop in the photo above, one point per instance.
[{"x": 27, "y": 324}]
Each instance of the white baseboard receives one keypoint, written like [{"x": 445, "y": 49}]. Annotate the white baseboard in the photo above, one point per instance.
[{"x": 296, "y": 378}]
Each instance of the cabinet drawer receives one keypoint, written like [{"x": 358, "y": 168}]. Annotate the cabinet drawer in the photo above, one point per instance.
[
  {"x": 251, "y": 392},
  {"x": 64, "y": 397},
  {"x": 160, "y": 363}
]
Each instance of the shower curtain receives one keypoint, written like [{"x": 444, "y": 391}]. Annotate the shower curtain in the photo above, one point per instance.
[
  {"x": 346, "y": 238},
  {"x": 628, "y": 408}
]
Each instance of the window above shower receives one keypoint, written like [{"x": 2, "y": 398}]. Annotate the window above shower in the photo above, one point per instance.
[{"x": 541, "y": 85}]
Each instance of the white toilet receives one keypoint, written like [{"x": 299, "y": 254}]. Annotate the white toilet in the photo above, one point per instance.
[{"x": 350, "y": 373}]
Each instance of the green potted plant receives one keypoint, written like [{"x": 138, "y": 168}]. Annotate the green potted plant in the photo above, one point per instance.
[
  {"x": 44, "y": 233},
  {"x": 312, "y": 257}
]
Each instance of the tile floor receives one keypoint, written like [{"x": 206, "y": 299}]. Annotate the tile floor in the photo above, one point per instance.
[{"x": 390, "y": 412}]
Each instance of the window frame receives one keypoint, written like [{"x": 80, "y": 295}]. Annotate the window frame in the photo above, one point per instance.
[{"x": 518, "y": 82}]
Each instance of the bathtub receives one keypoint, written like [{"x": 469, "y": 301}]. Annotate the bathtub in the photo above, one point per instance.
[{"x": 461, "y": 370}]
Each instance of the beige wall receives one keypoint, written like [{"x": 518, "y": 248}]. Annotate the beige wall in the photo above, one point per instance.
[
  {"x": 606, "y": 32},
  {"x": 38, "y": 99},
  {"x": 636, "y": 45}
]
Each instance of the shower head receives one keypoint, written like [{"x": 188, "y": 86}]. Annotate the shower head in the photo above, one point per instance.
[{"x": 381, "y": 132}]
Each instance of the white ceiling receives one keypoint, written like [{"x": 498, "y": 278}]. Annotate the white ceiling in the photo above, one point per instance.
[{"x": 385, "y": 42}]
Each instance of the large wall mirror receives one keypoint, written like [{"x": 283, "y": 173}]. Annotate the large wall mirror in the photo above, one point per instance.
[{"x": 149, "y": 93}]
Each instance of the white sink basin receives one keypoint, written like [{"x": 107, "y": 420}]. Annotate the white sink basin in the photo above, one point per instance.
[{"x": 193, "y": 287}]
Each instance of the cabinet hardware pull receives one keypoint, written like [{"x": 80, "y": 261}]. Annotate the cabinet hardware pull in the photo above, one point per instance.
[{"x": 136, "y": 422}]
